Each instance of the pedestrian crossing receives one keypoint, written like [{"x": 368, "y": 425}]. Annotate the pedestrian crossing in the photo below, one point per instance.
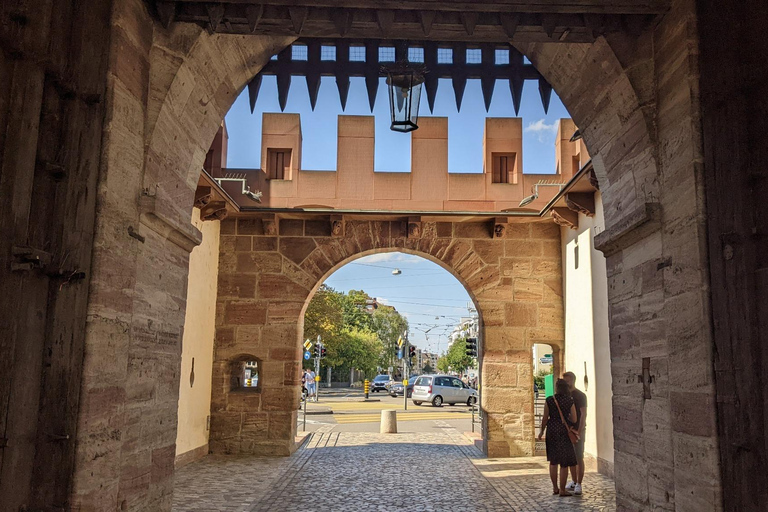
[{"x": 402, "y": 416}]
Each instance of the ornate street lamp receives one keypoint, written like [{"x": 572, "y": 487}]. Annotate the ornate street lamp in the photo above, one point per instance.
[{"x": 405, "y": 83}]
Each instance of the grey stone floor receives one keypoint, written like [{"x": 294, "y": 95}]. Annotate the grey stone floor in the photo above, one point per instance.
[{"x": 357, "y": 471}]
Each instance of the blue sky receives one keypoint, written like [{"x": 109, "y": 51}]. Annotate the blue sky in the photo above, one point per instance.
[
  {"x": 465, "y": 128},
  {"x": 425, "y": 293}
]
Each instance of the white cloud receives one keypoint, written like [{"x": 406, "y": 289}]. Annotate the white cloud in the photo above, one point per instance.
[
  {"x": 390, "y": 257},
  {"x": 542, "y": 130}
]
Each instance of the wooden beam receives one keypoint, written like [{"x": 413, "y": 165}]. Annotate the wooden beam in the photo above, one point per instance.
[
  {"x": 581, "y": 202},
  {"x": 495, "y": 6},
  {"x": 472, "y": 22},
  {"x": 565, "y": 217}
]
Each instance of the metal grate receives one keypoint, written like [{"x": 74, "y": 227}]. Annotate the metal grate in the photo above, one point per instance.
[
  {"x": 299, "y": 52},
  {"x": 328, "y": 53},
  {"x": 357, "y": 53},
  {"x": 474, "y": 56}
]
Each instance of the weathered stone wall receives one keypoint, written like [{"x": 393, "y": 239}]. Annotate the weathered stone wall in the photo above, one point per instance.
[
  {"x": 636, "y": 101},
  {"x": 167, "y": 92},
  {"x": 266, "y": 281},
  {"x": 637, "y": 105}
]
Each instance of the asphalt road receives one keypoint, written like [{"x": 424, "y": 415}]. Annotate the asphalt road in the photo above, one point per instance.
[{"x": 346, "y": 410}]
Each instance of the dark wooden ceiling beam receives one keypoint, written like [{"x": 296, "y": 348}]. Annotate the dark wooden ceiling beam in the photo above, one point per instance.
[
  {"x": 521, "y": 6},
  {"x": 473, "y": 25}
]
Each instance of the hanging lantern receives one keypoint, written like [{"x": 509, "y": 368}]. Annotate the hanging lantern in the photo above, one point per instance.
[{"x": 404, "y": 83}]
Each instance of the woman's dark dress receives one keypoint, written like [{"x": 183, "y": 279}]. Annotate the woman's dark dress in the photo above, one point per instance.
[{"x": 559, "y": 447}]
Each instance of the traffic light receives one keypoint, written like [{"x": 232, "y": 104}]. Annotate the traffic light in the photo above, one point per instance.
[
  {"x": 318, "y": 353},
  {"x": 322, "y": 351},
  {"x": 411, "y": 352},
  {"x": 472, "y": 347}
]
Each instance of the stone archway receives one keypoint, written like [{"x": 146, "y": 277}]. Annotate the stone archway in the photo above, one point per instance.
[
  {"x": 267, "y": 280},
  {"x": 167, "y": 93}
]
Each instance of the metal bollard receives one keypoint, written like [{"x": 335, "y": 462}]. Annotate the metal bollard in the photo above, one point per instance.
[{"x": 366, "y": 387}]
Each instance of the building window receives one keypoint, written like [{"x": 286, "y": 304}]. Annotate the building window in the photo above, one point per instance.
[
  {"x": 244, "y": 374},
  {"x": 504, "y": 168},
  {"x": 502, "y": 57},
  {"x": 278, "y": 164}
]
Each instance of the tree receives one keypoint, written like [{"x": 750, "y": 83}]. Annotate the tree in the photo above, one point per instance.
[
  {"x": 427, "y": 368},
  {"x": 442, "y": 364},
  {"x": 457, "y": 357},
  {"x": 389, "y": 325},
  {"x": 353, "y": 336},
  {"x": 353, "y": 348}
]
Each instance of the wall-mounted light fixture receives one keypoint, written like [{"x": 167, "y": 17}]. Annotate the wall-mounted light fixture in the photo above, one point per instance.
[
  {"x": 246, "y": 191},
  {"x": 531, "y": 198}
]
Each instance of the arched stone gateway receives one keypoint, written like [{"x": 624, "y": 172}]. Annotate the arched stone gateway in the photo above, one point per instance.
[
  {"x": 266, "y": 282},
  {"x": 161, "y": 94},
  {"x": 615, "y": 90}
]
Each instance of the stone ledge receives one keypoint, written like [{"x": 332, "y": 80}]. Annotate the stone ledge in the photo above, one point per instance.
[
  {"x": 631, "y": 228},
  {"x": 182, "y": 234}
]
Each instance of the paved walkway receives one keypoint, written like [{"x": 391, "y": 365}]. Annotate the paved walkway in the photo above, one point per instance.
[{"x": 353, "y": 471}]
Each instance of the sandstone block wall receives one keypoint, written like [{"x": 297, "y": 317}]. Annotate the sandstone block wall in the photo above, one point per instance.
[{"x": 266, "y": 281}]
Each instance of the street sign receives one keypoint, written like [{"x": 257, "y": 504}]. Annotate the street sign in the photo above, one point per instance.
[
  {"x": 400, "y": 354},
  {"x": 307, "y": 345},
  {"x": 307, "y": 355},
  {"x": 400, "y": 342},
  {"x": 547, "y": 355},
  {"x": 546, "y": 360}
]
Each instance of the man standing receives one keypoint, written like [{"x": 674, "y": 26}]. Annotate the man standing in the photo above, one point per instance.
[{"x": 580, "y": 401}]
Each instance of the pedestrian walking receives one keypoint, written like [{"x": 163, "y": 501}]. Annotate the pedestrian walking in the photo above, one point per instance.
[
  {"x": 311, "y": 384},
  {"x": 558, "y": 412},
  {"x": 580, "y": 402}
]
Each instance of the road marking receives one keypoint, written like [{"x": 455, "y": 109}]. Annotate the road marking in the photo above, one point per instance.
[{"x": 372, "y": 418}]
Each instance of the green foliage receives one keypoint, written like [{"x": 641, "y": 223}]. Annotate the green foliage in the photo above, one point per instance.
[
  {"x": 442, "y": 364},
  {"x": 389, "y": 325},
  {"x": 457, "y": 357},
  {"x": 353, "y": 336},
  {"x": 427, "y": 368},
  {"x": 538, "y": 379}
]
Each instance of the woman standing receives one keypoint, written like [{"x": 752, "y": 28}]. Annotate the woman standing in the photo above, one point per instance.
[{"x": 560, "y": 450}]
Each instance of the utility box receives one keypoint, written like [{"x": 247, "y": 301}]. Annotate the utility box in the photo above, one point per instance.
[{"x": 549, "y": 385}]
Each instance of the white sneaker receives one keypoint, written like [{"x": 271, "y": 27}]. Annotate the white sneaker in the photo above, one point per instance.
[
  {"x": 571, "y": 486},
  {"x": 577, "y": 489}
]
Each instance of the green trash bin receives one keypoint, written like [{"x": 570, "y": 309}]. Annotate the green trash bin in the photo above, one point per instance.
[{"x": 549, "y": 385}]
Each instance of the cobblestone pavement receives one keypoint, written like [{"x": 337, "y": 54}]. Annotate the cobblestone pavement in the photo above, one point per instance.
[{"x": 360, "y": 471}]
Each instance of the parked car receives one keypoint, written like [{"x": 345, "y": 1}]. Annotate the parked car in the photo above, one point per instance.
[
  {"x": 440, "y": 389},
  {"x": 380, "y": 383},
  {"x": 396, "y": 388}
]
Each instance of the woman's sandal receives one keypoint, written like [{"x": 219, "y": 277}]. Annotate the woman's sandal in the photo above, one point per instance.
[
  {"x": 555, "y": 492},
  {"x": 565, "y": 494}
]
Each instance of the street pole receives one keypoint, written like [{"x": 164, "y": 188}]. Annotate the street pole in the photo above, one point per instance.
[
  {"x": 405, "y": 372},
  {"x": 317, "y": 371}
]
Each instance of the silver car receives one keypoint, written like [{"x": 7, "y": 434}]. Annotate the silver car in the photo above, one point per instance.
[{"x": 440, "y": 389}]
